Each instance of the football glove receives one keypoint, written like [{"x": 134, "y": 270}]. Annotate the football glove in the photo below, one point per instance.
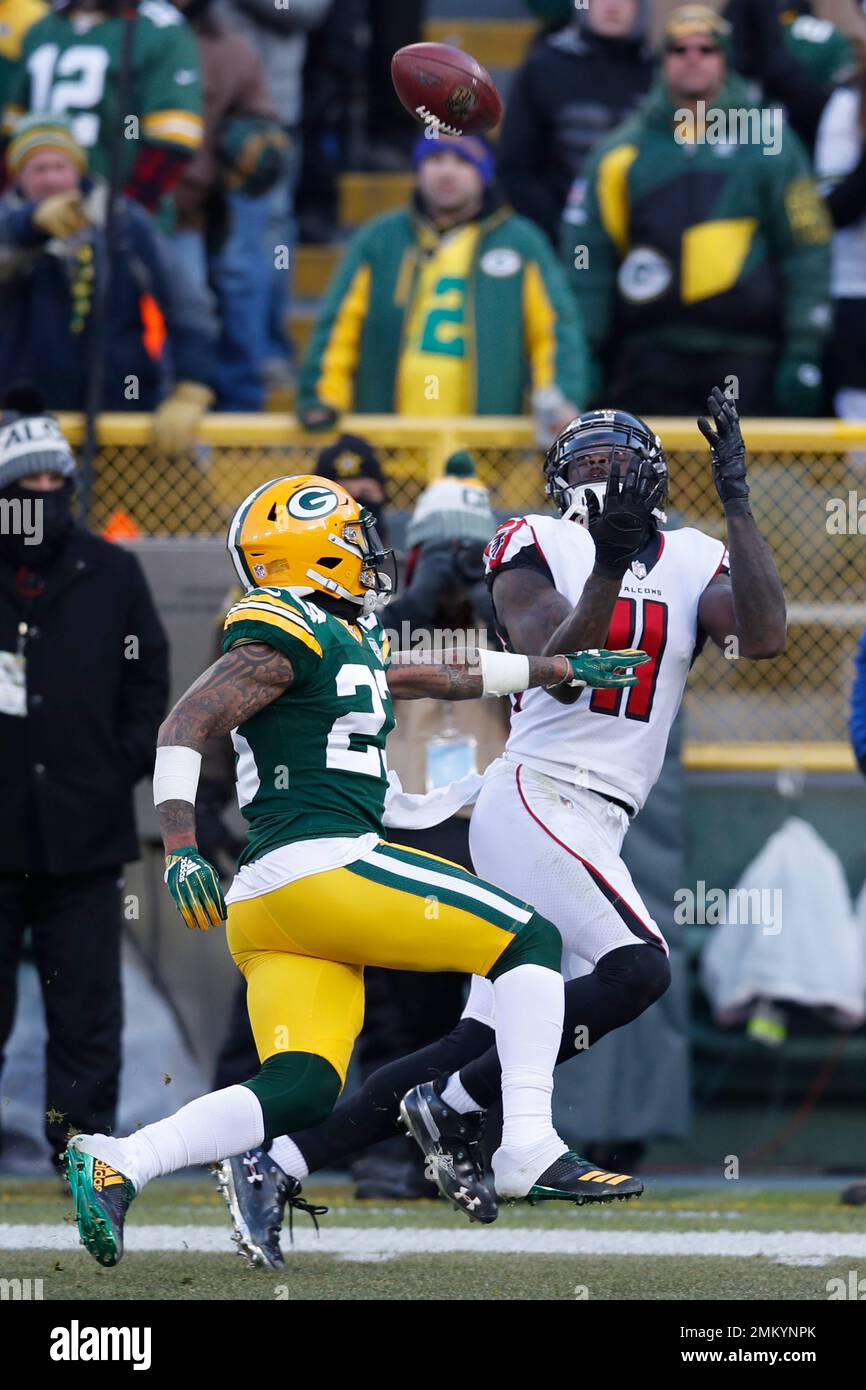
[
  {"x": 602, "y": 669},
  {"x": 728, "y": 452},
  {"x": 195, "y": 886},
  {"x": 621, "y": 526}
]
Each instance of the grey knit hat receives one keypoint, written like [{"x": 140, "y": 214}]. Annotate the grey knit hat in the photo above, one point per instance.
[
  {"x": 32, "y": 444},
  {"x": 454, "y": 507}
]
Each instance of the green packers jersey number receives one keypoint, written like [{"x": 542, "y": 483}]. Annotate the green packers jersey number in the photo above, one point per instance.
[
  {"x": 443, "y": 328},
  {"x": 312, "y": 763},
  {"x": 70, "y": 81},
  {"x": 340, "y": 755}
]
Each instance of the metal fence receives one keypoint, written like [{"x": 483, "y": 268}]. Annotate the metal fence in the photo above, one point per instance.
[{"x": 807, "y": 480}]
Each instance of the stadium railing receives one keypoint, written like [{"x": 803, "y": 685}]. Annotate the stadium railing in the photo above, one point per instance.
[{"x": 807, "y": 479}]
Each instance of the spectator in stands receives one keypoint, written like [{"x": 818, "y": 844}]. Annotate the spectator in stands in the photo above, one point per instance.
[
  {"x": 390, "y": 132},
  {"x": 16, "y": 17},
  {"x": 575, "y": 86},
  {"x": 694, "y": 256},
  {"x": 52, "y": 250},
  {"x": 243, "y": 156},
  {"x": 553, "y": 14},
  {"x": 162, "y": 94},
  {"x": 354, "y": 463},
  {"x": 330, "y": 139},
  {"x": 454, "y": 305},
  {"x": 798, "y": 59},
  {"x": 263, "y": 228},
  {"x": 83, "y": 688},
  {"x": 840, "y": 166}
]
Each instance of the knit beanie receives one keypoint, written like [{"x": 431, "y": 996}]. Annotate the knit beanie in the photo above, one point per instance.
[{"x": 454, "y": 507}]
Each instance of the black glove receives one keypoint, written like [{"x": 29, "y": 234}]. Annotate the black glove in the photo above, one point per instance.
[
  {"x": 728, "y": 451},
  {"x": 622, "y": 527}
]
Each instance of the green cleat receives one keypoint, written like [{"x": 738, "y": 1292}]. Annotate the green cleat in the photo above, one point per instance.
[{"x": 101, "y": 1197}]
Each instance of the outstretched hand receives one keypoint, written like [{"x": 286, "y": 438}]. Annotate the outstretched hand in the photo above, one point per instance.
[
  {"x": 728, "y": 451},
  {"x": 605, "y": 670}
]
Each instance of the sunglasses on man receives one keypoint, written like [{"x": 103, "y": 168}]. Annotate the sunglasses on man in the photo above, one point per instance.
[{"x": 705, "y": 49}]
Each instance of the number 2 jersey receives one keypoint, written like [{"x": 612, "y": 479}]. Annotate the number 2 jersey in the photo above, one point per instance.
[
  {"x": 611, "y": 741},
  {"x": 311, "y": 765}
]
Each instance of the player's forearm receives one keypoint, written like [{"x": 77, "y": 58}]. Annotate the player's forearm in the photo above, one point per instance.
[
  {"x": 758, "y": 597},
  {"x": 465, "y": 680},
  {"x": 236, "y": 687},
  {"x": 586, "y": 627},
  {"x": 176, "y": 824}
]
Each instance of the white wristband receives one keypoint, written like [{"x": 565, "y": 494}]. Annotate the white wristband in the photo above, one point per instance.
[
  {"x": 176, "y": 774},
  {"x": 503, "y": 673}
]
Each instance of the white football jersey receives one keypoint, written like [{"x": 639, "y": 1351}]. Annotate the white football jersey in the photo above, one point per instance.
[{"x": 612, "y": 741}]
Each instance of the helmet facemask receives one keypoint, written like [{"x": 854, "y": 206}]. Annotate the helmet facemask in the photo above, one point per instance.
[
  {"x": 622, "y": 437},
  {"x": 378, "y": 575}
]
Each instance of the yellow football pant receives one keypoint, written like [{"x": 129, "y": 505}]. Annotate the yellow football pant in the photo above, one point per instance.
[{"x": 302, "y": 948}]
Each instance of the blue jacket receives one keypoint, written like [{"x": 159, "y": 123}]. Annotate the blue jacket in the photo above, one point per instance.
[
  {"x": 37, "y": 340},
  {"x": 857, "y": 723}
]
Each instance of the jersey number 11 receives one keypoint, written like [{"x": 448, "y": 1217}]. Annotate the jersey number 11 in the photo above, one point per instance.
[{"x": 637, "y": 699}]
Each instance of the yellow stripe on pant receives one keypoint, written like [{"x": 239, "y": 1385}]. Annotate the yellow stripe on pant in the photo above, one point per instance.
[{"x": 302, "y": 948}]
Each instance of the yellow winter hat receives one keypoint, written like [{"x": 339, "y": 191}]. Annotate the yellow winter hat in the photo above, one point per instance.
[{"x": 43, "y": 132}]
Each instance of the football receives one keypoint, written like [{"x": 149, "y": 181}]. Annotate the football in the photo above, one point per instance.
[{"x": 446, "y": 88}]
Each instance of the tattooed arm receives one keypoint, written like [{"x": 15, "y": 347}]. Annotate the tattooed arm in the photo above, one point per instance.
[
  {"x": 540, "y": 620},
  {"x": 237, "y": 686},
  {"x": 461, "y": 680}
]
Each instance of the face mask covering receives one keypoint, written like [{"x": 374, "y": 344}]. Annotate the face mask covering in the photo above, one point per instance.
[{"x": 34, "y": 525}]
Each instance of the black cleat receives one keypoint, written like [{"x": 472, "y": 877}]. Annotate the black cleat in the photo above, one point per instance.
[
  {"x": 450, "y": 1143},
  {"x": 572, "y": 1179},
  {"x": 256, "y": 1192}
]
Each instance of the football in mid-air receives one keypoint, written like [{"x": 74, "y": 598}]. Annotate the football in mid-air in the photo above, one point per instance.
[{"x": 446, "y": 88}]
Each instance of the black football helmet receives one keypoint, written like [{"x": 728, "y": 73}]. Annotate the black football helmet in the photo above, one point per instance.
[{"x": 590, "y": 433}]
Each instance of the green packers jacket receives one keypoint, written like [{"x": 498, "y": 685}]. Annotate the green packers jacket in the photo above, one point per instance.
[
  {"x": 522, "y": 326},
  {"x": 701, "y": 244}
]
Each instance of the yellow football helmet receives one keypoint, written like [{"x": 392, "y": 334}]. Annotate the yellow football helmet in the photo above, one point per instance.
[{"x": 309, "y": 535}]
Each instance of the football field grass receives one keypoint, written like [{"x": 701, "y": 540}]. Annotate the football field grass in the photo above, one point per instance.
[{"x": 737, "y": 1241}]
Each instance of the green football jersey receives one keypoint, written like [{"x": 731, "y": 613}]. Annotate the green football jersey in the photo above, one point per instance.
[
  {"x": 312, "y": 763},
  {"x": 16, "y": 17},
  {"x": 72, "y": 65}
]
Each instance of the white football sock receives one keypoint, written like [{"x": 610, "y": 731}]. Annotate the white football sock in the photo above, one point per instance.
[
  {"x": 530, "y": 1003},
  {"x": 212, "y": 1127},
  {"x": 456, "y": 1095},
  {"x": 286, "y": 1154}
]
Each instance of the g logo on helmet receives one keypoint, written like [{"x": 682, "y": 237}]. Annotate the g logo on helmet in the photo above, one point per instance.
[{"x": 309, "y": 503}]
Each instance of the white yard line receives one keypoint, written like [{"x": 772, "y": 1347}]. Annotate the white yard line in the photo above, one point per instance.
[{"x": 386, "y": 1242}]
